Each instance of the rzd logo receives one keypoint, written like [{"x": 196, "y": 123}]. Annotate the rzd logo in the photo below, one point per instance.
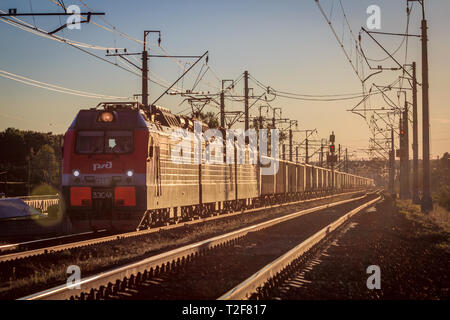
[{"x": 106, "y": 165}]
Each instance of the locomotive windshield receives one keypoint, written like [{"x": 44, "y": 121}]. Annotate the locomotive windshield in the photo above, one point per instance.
[{"x": 116, "y": 142}]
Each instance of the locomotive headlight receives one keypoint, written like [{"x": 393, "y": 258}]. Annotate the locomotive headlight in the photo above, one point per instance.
[
  {"x": 130, "y": 173},
  {"x": 106, "y": 117},
  {"x": 76, "y": 172}
]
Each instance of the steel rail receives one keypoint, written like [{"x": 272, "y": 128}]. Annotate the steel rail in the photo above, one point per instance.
[
  {"x": 83, "y": 243},
  {"x": 87, "y": 284},
  {"x": 258, "y": 279},
  {"x": 19, "y": 244}
]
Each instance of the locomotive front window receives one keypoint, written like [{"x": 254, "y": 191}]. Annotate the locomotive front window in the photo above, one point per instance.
[
  {"x": 118, "y": 142},
  {"x": 90, "y": 142},
  {"x": 94, "y": 142}
]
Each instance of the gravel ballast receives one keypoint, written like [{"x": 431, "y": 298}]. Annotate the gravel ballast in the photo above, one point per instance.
[
  {"x": 212, "y": 274},
  {"x": 411, "y": 251}
]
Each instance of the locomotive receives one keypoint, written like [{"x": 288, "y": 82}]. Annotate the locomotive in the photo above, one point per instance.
[{"x": 119, "y": 172}]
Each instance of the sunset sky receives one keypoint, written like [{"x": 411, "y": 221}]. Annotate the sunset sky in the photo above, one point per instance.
[{"x": 284, "y": 44}]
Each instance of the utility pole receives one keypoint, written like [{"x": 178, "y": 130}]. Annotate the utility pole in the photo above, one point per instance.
[
  {"x": 145, "y": 75},
  {"x": 415, "y": 146},
  {"x": 273, "y": 118},
  {"x": 260, "y": 119},
  {"x": 321, "y": 152},
  {"x": 308, "y": 132},
  {"x": 291, "y": 148},
  {"x": 306, "y": 149},
  {"x": 222, "y": 108},
  {"x": 145, "y": 68},
  {"x": 332, "y": 158},
  {"x": 246, "y": 99},
  {"x": 346, "y": 161},
  {"x": 427, "y": 202},
  {"x": 406, "y": 186},
  {"x": 222, "y": 101},
  {"x": 392, "y": 166},
  {"x": 290, "y": 144},
  {"x": 339, "y": 156},
  {"x": 402, "y": 155},
  {"x": 296, "y": 154}
]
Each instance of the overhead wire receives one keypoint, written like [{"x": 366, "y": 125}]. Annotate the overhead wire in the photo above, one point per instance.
[
  {"x": 25, "y": 26},
  {"x": 149, "y": 43},
  {"x": 116, "y": 30},
  {"x": 362, "y": 55},
  {"x": 405, "y": 38},
  {"x": 309, "y": 97},
  {"x": 53, "y": 87},
  {"x": 329, "y": 99},
  {"x": 338, "y": 40},
  {"x": 31, "y": 8},
  {"x": 408, "y": 12}
]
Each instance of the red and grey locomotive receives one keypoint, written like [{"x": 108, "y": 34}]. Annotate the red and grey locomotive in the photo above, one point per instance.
[{"x": 119, "y": 173}]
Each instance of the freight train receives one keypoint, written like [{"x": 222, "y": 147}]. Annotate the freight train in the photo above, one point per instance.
[{"x": 119, "y": 172}]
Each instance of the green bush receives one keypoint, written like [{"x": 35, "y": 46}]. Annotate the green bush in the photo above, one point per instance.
[
  {"x": 43, "y": 190},
  {"x": 53, "y": 211},
  {"x": 444, "y": 197}
]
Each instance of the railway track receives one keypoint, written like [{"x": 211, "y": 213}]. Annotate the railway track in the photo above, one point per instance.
[
  {"x": 38, "y": 243},
  {"x": 161, "y": 275},
  {"x": 43, "y": 250},
  {"x": 267, "y": 280}
]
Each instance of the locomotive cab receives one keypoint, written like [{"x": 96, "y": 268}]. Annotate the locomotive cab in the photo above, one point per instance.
[{"x": 104, "y": 167}]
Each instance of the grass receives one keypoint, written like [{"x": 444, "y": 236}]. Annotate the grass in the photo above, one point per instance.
[{"x": 434, "y": 225}]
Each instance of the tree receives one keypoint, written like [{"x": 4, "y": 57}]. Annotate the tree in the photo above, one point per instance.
[
  {"x": 209, "y": 118},
  {"x": 440, "y": 180},
  {"x": 44, "y": 166},
  {"x": 12, "y": 144},
  {"x": 21, "y": 150}
]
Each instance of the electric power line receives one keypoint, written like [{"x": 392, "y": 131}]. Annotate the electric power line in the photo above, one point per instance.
[
  {"x": 333, "y": 30},
  {"x": 53, "y": 87}
]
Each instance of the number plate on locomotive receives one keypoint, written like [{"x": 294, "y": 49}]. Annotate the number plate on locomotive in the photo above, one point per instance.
[{"x": 102, "y": 194}]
